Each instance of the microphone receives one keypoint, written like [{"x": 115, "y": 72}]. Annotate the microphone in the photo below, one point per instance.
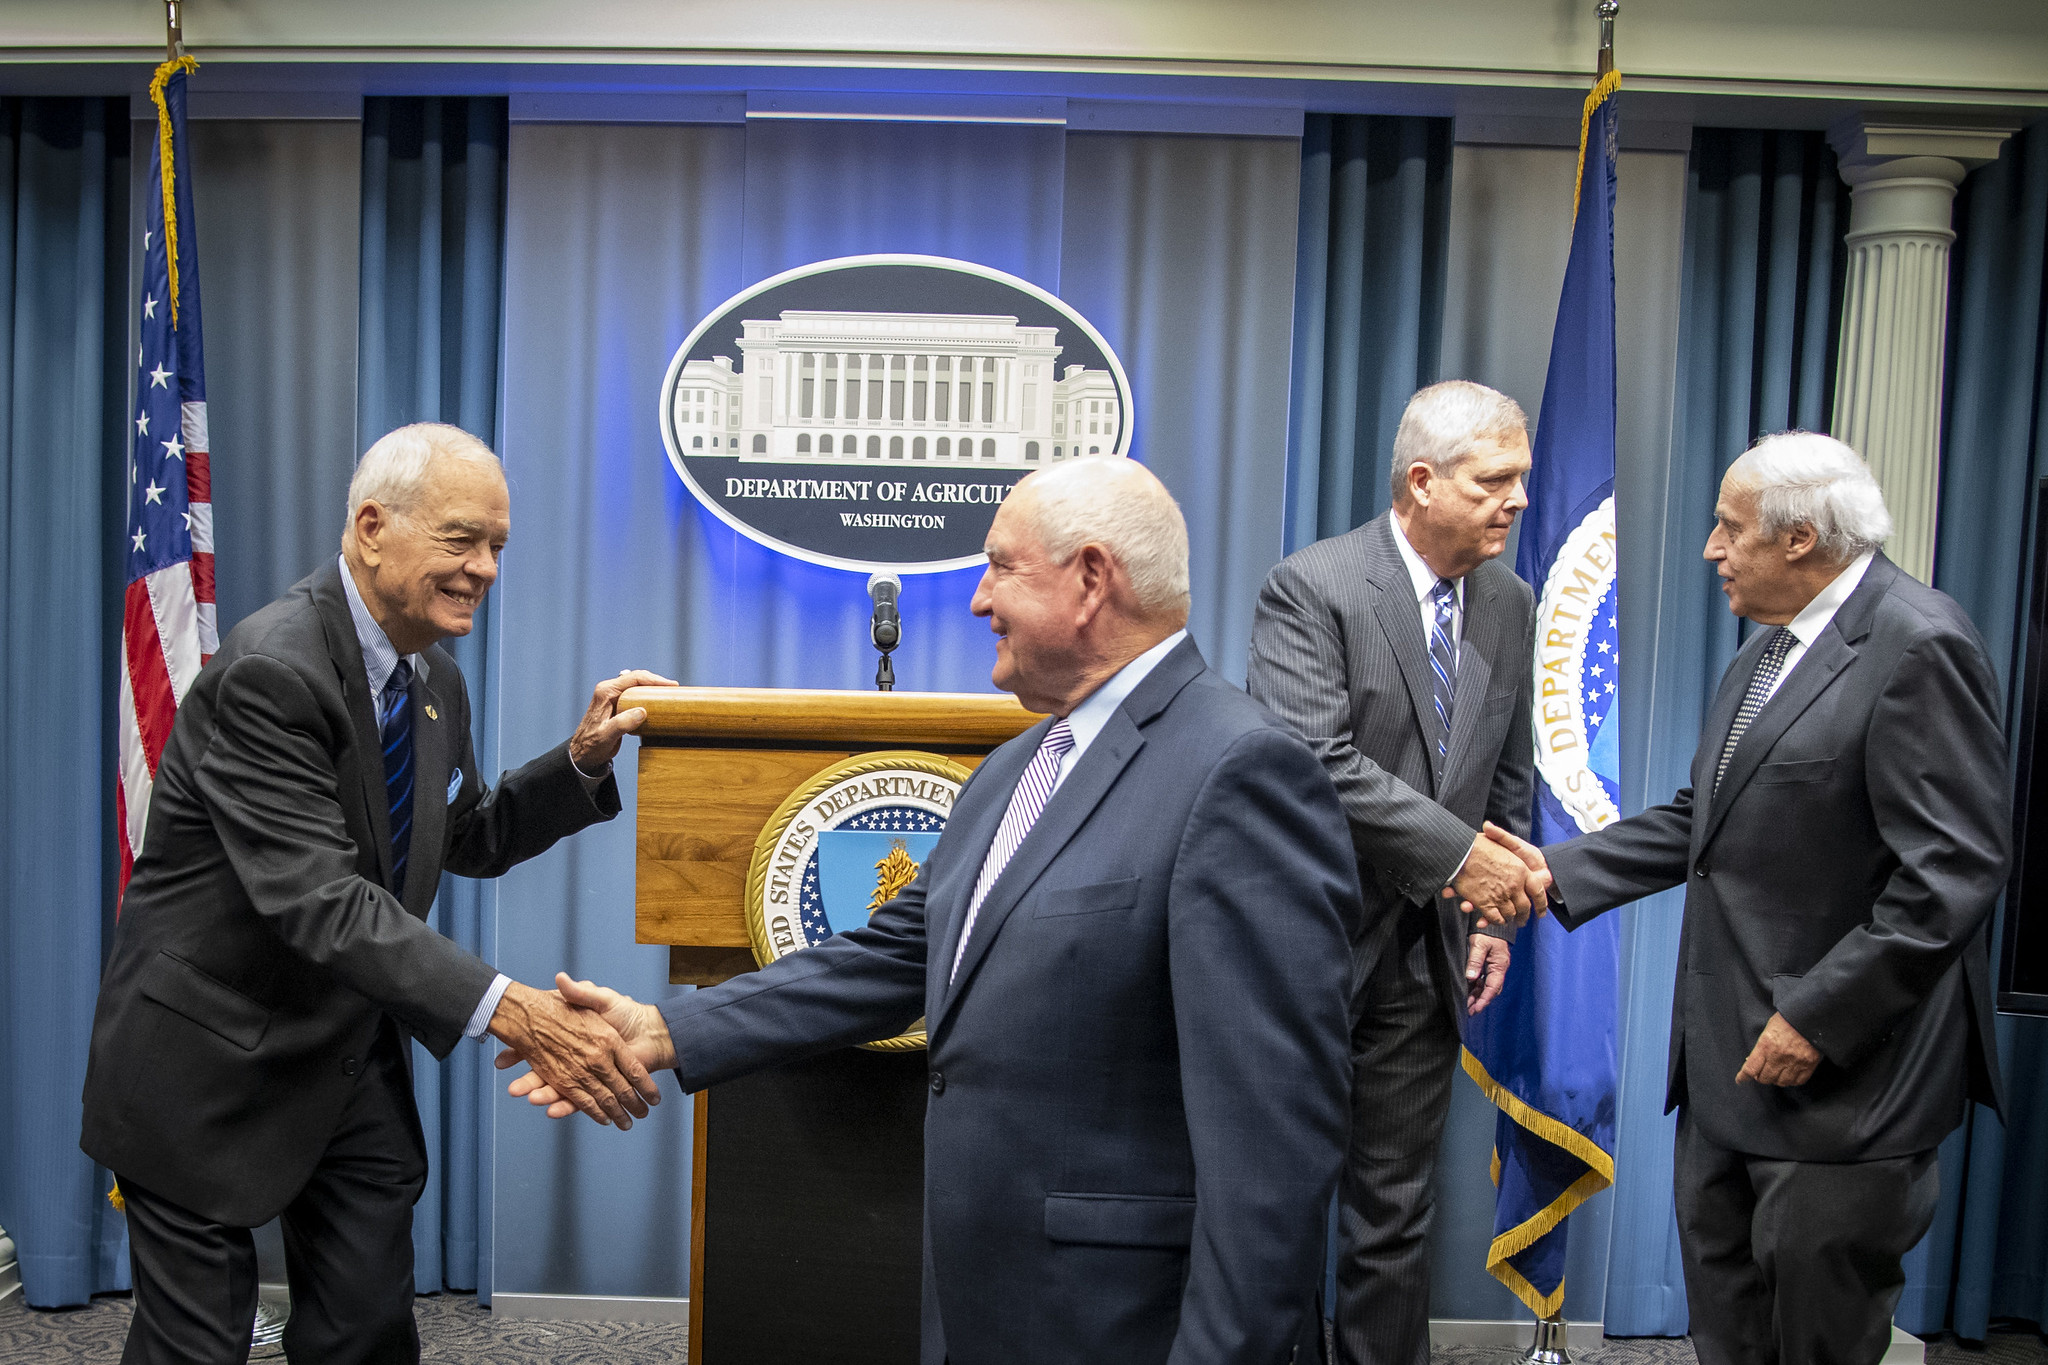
[{"x": 886, "y": 629}]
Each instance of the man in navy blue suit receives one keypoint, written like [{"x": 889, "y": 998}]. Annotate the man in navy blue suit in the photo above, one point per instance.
[{"x": 1133, "y": 946}]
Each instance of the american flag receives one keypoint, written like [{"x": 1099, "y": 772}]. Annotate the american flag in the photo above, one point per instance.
[{"x": 168, "y": 629}]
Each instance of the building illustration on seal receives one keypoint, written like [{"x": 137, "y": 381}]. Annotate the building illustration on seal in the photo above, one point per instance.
[{"x": 944, "y": 388}]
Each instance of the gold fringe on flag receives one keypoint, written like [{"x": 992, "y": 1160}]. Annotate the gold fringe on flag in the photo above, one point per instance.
[
  {"x": 169, "y": 69},
  {"x": 1602, "y": 88}
]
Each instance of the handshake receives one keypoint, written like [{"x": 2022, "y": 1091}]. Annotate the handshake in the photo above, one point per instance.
[
  {"x": 588, "y": 1047},
  {"x": 1504, "y": 879}
]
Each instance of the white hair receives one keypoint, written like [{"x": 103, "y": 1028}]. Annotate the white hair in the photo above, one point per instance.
[
  {"x": 1442, "y": 424},
  {"x": 393, "y": 473},
  {"x": 1804, "y": 478},
  {"x": 1117, "y": 503}
]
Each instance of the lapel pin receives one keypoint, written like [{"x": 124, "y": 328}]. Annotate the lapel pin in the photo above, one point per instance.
[{"x": 432, "y": 714}]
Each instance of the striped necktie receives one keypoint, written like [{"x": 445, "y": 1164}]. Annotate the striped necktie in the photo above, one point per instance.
[
  {"x": 1760, "y": 684},
  {"x": 1443, "y": 663},
  {"x": 395, "y": 704},
  {"x": 1034, "y": 789}
]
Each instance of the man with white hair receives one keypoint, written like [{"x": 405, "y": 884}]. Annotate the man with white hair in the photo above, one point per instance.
[
  {"x": 1131, "y": 947},
  {"x": 1402, "y": 651},
  {"x": 251, "y": 1053},
  {"x": 1841, "y": 846}
]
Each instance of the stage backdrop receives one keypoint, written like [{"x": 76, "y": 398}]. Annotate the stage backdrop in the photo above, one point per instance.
[{"x": 619, "y": 238}]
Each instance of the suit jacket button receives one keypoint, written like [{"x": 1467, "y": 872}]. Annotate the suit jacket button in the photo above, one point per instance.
[
  {"x": 1700, "y": 871},
  {"x": 348, "y": 1067},
  {"x": 938, "y": 1084}
]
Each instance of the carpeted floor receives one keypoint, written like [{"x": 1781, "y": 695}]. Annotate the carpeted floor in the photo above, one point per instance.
[{"x": 455, "y": 1331}]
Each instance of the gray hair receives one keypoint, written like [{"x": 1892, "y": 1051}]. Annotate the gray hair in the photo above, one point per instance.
[
  {"x": 1443, "y": 423},
  {"x": 1804, "y": 478},
  {"x": 393, "y": 472},
  {"x": 1117, "y": 503}
]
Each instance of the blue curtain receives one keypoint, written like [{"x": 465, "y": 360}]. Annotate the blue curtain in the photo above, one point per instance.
[
  {"x": 428, "y": 344},
  {"x": 1765, "y": 213},
  {"x": 1987, "y": 1254},
  {"x": 63, "y": 398},
  {"x": 1370, "y": 268}
]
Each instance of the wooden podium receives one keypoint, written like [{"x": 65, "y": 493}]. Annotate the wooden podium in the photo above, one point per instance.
[{"x": 806, "y": 1201}]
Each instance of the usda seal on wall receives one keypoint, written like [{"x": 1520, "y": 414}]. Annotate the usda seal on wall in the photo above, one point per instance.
[
  {"x": 840, "y": 846},
  {"x": 872, "y": 412}
]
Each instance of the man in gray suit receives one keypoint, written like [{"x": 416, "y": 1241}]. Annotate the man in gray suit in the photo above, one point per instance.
[
  {"x": 1841, "y": 846},
  {"x": 1401, "y": 650}
]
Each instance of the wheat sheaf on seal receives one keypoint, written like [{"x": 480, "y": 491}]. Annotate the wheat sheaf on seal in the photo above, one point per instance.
[{"x": 891, "y": 803}]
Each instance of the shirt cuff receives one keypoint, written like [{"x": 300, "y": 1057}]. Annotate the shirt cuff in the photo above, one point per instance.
[
  {"x": 486, "y": 1007},
  {"x": 590, "y": 783}
]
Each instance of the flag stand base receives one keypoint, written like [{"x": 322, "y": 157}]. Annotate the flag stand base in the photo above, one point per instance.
[{"x": 1549, "y": 1347}]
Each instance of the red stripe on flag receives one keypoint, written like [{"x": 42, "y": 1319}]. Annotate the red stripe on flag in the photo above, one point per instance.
[
  {"x": 198, "y": 476},
  {"x": 127, "y": 853},
  {"x": 149, "y": 677},
  {"x": 202, "y": 576}
]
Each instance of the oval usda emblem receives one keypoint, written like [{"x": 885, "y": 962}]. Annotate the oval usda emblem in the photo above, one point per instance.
[
  {"x": 1578, "y": 673},
  {"x": 841, "y": 845},
  {"x": 872, "y": 412}
]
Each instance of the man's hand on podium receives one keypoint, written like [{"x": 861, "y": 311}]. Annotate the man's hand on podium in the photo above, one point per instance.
[{"x": 640, "y": 1027}]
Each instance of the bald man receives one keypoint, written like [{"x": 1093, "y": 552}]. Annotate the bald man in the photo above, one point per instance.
[{"x": 1132, "y": 945}]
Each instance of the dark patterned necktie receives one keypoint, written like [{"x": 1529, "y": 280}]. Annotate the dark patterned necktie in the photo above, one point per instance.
[
  {"x": 1443, "y": 663},
  {"x": 1027, "y": 803},
  {"x": 396, "y": 704},
  {"x": 1760, "y": 684}
]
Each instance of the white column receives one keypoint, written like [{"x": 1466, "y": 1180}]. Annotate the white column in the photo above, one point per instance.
[{"x": 1888, "y": 375}]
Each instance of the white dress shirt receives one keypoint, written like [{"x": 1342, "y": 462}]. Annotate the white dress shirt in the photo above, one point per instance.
[
  {"x": 1087, "y": 719},
  {"x": 1809, "y": 623},
  {"x": 380, "y": 656},
  {"x": 1424, "y": 580}
]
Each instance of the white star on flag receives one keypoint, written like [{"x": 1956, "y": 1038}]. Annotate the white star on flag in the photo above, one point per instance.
[
  {"x": 158, "y": 375},
  {"x": 138, "y": 540},
  {"x": 149, "y": 307},
  {"x": 188, "y": 523},
  {"x": 174, "y": 448},
  {"x": 142, "y": 425},
  {"x": 152, "y": 493},
  {"x": 145, "y": 239}
]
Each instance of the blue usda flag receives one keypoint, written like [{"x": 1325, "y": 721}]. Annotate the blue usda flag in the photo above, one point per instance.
[{"x": 1544, "y": 1051}]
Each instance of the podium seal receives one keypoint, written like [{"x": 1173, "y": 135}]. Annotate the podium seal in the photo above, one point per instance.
[{"x": 841, "y": 846}]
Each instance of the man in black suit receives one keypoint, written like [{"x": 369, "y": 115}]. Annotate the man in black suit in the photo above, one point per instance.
[
  {"x": 1841, "y": 845},
  {"x": 1402, "y": 651},
  {"x": 249, "y": 1049},
  {"x": 1132, "y": 946}
]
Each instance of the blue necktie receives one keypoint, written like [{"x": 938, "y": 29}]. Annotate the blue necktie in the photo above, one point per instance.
[
  {"x": 396, "y": 705},
  {"x": 1443, "y": 663}
]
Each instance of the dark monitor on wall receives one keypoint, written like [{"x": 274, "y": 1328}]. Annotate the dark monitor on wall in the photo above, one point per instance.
[{"x": 2023, "y": 952}]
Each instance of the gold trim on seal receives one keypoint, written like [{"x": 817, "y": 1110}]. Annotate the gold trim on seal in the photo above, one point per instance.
[{"x": 882, "y": 760}]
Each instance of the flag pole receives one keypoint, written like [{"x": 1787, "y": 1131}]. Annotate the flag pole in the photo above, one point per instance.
[
  {"x": 174, "y": 30},
  {"x": 1550, "y": 1345}
]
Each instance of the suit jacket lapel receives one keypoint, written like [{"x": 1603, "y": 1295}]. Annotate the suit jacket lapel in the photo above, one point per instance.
[
  {"x": 1400, "y": 616},
  {"x": 1824, "y": 659},
  {"x": 946, "y": 901},
  {"x": 347, "y": 657},
  {"x": 431, "y": 747},
  {"x": 1064, "y": 815}
]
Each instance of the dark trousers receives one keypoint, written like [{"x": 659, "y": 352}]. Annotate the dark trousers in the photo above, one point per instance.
[
  {"x": 347, "y": 1245},
  {"x": 1404, "y": 1055},
  {"x": 1795, "y": 1262}
]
